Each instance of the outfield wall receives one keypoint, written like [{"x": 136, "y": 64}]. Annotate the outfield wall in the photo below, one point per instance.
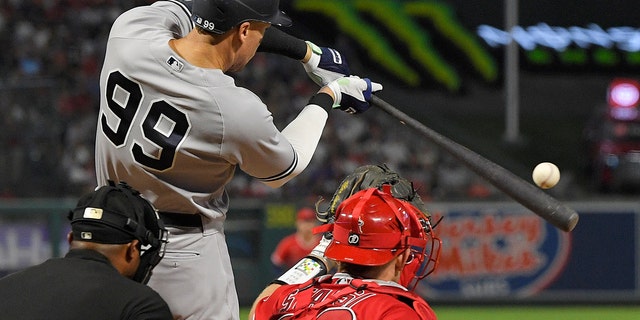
[{"x": 492, "y": 252}]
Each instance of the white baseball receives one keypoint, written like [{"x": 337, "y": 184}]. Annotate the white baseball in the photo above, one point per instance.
[{"x": 546, "y": 175}]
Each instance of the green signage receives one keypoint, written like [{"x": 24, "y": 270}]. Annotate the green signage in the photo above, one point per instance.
[{"x": 402, "y": 19}]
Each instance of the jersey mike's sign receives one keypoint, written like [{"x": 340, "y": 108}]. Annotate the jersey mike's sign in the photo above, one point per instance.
[{"x": 495, "y": 254}]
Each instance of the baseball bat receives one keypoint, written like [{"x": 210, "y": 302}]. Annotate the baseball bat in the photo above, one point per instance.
[{"x": 520, "y": 190}]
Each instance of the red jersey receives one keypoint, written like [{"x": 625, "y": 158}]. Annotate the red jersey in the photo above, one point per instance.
[
  {"x": 341, "y": 297},
  {"x": 290, "y": 250}
]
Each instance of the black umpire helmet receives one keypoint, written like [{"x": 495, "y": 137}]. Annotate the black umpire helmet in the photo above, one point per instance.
[
  {"x": 220, "y": 16},
  {"x": 117, "y": 214}
]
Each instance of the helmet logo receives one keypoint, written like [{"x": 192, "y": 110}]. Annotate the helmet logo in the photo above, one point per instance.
[
  {"x": 360, "y": 225},
  {"x": 354, "y": 239},
  {"x": 92, "y": 213},
  {"x": 205, "y": 24}
]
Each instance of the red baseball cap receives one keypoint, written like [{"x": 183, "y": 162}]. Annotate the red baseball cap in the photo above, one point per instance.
[{"x": 306, "y": 214}]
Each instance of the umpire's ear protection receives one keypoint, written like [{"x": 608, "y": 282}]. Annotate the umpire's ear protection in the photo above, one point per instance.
[
  {"x": 150, "y": 231},
  {"x": 99, "y": 213}
]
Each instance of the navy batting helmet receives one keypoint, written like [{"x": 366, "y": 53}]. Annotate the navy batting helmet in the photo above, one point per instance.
[{"x": 220, "y": 16}]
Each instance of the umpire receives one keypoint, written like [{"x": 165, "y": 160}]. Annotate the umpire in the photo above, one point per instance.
[{"x": 115, "y": 241}]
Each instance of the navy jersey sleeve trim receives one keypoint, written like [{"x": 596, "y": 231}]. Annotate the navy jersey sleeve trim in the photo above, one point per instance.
[
  {"x": 186, "y": 8},
  {"x": 286, "y": 172}
]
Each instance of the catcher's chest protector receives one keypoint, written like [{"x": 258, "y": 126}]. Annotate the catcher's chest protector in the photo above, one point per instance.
[{"x": 330, "y": 301}]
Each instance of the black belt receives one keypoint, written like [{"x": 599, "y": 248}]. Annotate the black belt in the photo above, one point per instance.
[{"x": 181, "y": 219}]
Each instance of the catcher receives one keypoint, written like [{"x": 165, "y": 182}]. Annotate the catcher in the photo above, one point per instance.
[{"x": 383, "y": 245}]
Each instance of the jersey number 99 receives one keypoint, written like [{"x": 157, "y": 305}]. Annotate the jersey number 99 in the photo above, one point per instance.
[{"x": 124, "y": 104}]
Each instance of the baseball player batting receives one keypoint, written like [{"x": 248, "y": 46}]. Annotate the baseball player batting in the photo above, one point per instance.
[{"x": 175, "y": 126}]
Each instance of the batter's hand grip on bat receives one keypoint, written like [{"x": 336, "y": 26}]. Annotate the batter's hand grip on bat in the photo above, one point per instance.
[{"x": 506, "y": 181}]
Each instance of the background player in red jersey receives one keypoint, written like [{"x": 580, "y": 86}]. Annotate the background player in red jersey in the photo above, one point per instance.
[
  {"x": 383, "y": 247},
  {"x": 297, "y": 245}
]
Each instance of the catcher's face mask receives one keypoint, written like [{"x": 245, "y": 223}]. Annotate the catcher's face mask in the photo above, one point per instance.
[{"x": 423, "y": 260}]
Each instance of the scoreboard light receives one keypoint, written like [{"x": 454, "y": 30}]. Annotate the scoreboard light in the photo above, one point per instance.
[
  {"x": 623, "y": 98},
  {"x": 624, "y": 93}
]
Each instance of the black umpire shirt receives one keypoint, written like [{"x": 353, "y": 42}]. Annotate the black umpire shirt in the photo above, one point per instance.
[{"x": 82, "y": 285}]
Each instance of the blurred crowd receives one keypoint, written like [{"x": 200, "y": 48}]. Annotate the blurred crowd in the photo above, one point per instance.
[{"x": 50, "y": 71}]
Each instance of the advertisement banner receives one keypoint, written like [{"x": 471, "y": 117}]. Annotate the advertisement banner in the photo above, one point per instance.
[
  {"x": 505, "y": 252},
  {"x": 25, "y": 243}
]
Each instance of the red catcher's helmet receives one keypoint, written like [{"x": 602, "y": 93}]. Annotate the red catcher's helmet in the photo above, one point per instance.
[{"x": 372, "y": 227}]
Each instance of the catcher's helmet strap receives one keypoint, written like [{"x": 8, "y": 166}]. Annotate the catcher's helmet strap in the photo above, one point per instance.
[
  {"x": 358, "y": 209},
  {"x": 407, "y": 237},
  {"x": 323, "y": 228}
]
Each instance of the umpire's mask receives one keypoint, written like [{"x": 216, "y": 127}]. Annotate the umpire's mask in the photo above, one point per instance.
[{"x": 117, "y": 214}]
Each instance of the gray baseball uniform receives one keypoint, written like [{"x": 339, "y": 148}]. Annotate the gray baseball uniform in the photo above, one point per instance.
[{"x": 176, "y": 132}]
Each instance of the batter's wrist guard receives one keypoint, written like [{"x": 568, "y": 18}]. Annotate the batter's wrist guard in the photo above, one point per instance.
[
  {"x": 309, "y": 267},
  {"x": 306, "y": 269},
  {"x": 323, "y": 100}
]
